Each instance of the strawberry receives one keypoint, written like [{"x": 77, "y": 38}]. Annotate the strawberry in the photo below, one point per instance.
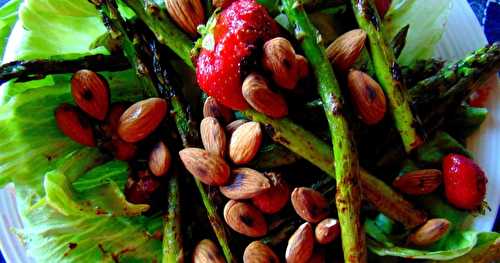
[
  {"x": 464, "y": 182},
  {"x": 239, "y": 29}
]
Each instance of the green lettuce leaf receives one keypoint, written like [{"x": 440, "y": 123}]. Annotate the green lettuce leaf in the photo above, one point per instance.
[{"x": 8, "y": 16}]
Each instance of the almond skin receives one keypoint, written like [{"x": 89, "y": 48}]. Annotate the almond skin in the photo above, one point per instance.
[
  {"x": 275, "y": 198},
  {"x": 141, "y": 119},
  {"x": 159, "y": 159},
  {"x": 302, "y": 66},
  {"x": 245, "y": 183},
  {"x": 419, "y": 182},
  {"x": 213, "y": 136},
  {"x": 73, "y": 123},
  {"x": 245, "y": 143},
  {"x": 367, "y": 97},
  {"x": 245, "y": 219},
  {"x": 318, "y": 256},
  {"x": 344, "y": 51},
  {"x": 327, "y": 231},
  {"x": 122, "y": 150},
  {"x": 309, "y": 204},
  {"x": 211, "y": 108},
  {"x": 110, "y": 124},
  {"x": 91, "y": 93},
  {"x": 430, "y": 232},
  {"x": 187, "y": 14},
  {"x": 209, "y": 168},
  {"x": 207, "y": 252},
  {"x": 257, "y": 252},
  {"x": 300, "y": 245},
  {"x": 232, "y": 126},
  {"x": 279, "y": 59},
  {"x": 262, "y": 99}
]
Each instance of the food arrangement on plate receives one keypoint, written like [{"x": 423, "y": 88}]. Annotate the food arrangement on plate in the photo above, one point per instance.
[{"x": 243, "y": 130}]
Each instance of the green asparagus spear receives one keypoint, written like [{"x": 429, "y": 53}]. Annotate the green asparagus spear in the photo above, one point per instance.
[{"x": 172, "y": 237}]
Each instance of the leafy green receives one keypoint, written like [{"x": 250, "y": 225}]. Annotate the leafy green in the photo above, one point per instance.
[
  {"x": 116, "y": 171},
  {"x": 8, "y": 16}
]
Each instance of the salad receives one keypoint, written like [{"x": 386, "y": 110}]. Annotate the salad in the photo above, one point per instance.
[{"x": 242, "y": 130}]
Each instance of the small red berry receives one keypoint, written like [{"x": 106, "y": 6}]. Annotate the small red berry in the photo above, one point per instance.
[{"x": 464, "y": 182}]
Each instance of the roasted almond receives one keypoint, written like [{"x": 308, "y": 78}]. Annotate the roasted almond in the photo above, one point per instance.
[
  {"x": 278, "y": 58},
  {"x": 213, "y": 136},
  {"x": 211, "y": 108},
  {"x": 257, "y": 252},
  {"x": 110, "y": 125},
  {"x": 187, "y": 14},
  {"x": 141, "y": 119},
  {"x": 245, "y": 183},
  {"x": 309, "y": 204},
  {"x": 122, "y": 150},
  {"x": 91, "y": 93},
  {"x": 318, "y": 256},
  {"x": 261, "y": 98},
  {"x": 344, "y": 51},
  {"x": 209, "y": 168},
  {"x": 419, "y": 182},
  {"x": 74, "y": 124},
  {"x": 430, "y": 232},
  {"x": 245, "y": 219},
  {"x": 367, "y": 97},
  {"x": 159, "y": 159},
  {"x": 245, "y": 142},
  {"x": 275, "y": 198},
  {"x": 302, "y": 66},
  {"x": 327, "y": 231},
  {"x": 300, "y": 245},
  {"x": 231, "y": 127},
  {"x": 207, "y": 252}
]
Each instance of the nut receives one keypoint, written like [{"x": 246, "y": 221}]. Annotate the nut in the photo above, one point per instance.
[
  {"x": 309, "y": 204},
  {"x": 245, "y": 142},
  {"x": 222, "y": 3},
  {"x": 123, "y": 150},
  {"x": 430, "y": 232},
  {"x": 141, "y": 119},
  {"x": 245, "y": 183},
  {"x": 159, "y": 159},
  {"x": 279, "y": 58},
  {"x": 209, "y": 168},
  {"x": 245, "y": 219},
  {"x": 367, "y": 97},
  {"x": 74, "y": 124},
  {"x": 207, "y": 252},
  {"x": 212, "y": 108},
  {"x": 300, "y": 245},
  {"x": 302, "y": 66},
  {"x": 344, "y": 51},
  {"x": 327, "y": 231},
  {"x": 274, "y": 199},
  {"x": 91, "y": 93},
  {"x": 231, "y": 127},
  {"x": 110, "y": 125},
  {"x": 318, "y": 256},
  {"x": 187, "y": 14},
  {"x": 213, "y": 136},
  {"x": 257, "y": 252},
  {"x": 261, "y": 98},
  {"x": 419, "y": 182}
]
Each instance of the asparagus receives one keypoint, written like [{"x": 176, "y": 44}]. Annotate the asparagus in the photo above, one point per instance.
[
  {"x": 399, "y": 41},
  {"x": 387, "y": 73},
  {"x": 172, "y": 237},
  {"x": 421, "y": 70}
]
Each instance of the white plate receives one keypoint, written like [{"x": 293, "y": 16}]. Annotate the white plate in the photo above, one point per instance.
[{"x": 463, "y": 35}]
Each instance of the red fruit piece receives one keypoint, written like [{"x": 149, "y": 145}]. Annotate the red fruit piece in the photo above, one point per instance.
[
  {"x": 73, "y": 123},
  {"x": 464, "y": 182},
  {"x": 382, "y": 7},
  {"x": 239, "y": 30}
]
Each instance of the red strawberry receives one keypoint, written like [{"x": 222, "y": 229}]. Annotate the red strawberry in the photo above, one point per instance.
[
  {"x": 464, "y": 182},
  {"x": 239, "y": 28}
]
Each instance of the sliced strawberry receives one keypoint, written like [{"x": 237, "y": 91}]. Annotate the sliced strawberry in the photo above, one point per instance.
[{"x": 239, "y": 29}]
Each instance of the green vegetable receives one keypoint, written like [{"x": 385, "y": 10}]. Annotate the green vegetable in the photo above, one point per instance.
[
  {"x": 8, "y": 17},
  {"x": 465, "y": 121},
  {"x": 172, "y": 237}
]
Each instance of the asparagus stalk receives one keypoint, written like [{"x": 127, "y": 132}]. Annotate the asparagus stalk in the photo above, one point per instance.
[
  {"x": 348, "y": 196},
  {"x": 387, "y": 72},
  {"x": 172, "y": 237}
]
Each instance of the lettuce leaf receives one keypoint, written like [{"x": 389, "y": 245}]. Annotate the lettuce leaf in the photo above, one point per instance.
[{"x": 8, "y": 16}]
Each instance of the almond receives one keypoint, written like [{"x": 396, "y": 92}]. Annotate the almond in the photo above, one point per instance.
[
  {"x": 73, "y": 123},
  {"x": 159, "y": 159},
  {"x": 222, "y": 3},
  {"x": 257, "y": 252},
  {"x": 419, "y": 182},
  {"x": 187, "y": 14},
  {"x": 141, "y": 119},
  {"x": 91, "y": 93},
  {"x": 430, "y": 232},
  {"x": 327, "y": 231},
  {"x": 110, "y": 124},
  {"x": 344, "y": 51},
  {"x": 275, "y": 198},
  {"x": 279, "y": 59},
  {"x": 300, "y": 245},
  {"x": 302, "y": 66},
  {"x": 209, "y": 168},
  {"x": 309, "y": 204},
  {"x": 207, "y": 252},
  {"x": 245, "y": 219},
  {"x": 244, "y": 184},
  {"x": 261, "y": 98},
  {"x": 245, "y": 142},
  {"x": 213, "y": 136},
  {"x": 367, "y": 97},
  {"x": 231, "y": 127},
  {"x": 211, "y": 108},
  {"x": 318, "y": 256},
  {"x": 122, "y": 150}
]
